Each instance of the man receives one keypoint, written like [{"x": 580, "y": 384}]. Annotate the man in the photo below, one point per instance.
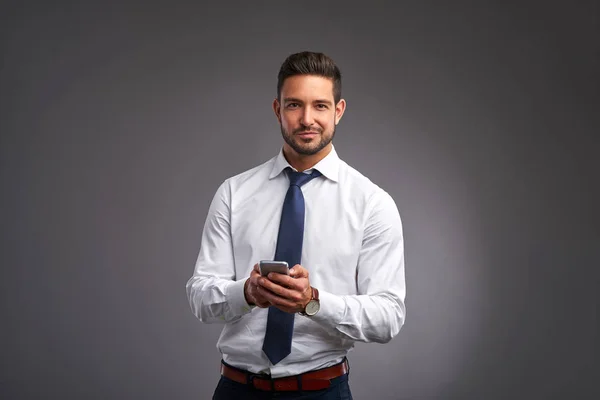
[{"x": 340, "y": 234}]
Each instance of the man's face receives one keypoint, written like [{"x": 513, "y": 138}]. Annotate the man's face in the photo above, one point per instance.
[{"x": 307, "y": 113}]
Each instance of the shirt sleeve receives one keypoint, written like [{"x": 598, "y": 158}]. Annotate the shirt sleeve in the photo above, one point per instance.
[
  {"x": 213, "y": 293},
  {"x": 377, "y": 312}
]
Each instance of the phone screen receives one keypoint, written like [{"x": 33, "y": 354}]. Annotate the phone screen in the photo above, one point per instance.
[{"x": 280, "y": 267}]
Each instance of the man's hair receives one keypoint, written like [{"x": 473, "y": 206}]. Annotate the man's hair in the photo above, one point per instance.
[{"x": 310, "y": 63}]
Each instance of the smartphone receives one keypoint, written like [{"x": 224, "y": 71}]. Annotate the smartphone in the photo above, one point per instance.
[{"x": 280, "y": 267}]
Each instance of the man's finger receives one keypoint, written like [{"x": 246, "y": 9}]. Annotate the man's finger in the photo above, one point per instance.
[
  {"x": 298, "y": 271},
  {"x": 276, "y": 300},
  {"x": 284, "y": 281},
  {"x": 298, "y": 284},
  {"x": 275, "y": 287},
  {"x": 280, "y": 279},
  {"x": 294, "y": 294}
]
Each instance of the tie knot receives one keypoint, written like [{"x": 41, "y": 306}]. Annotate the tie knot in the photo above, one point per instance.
[{"x": 300, "y": 178}]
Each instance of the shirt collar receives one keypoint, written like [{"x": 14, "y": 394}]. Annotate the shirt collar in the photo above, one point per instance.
[{"x": 328, "y": 166}]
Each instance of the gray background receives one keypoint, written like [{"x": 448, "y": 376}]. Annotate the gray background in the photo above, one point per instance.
[{"x": 118, "y": 122}]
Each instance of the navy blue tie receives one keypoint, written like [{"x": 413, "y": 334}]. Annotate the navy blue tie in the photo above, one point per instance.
[{"x": 280, "y": 324}]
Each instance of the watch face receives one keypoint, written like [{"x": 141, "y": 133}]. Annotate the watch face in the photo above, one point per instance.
[{"x": 312, "y": 307}]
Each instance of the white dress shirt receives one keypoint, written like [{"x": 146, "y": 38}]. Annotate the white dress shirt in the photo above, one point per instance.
[{"x": 353, "y": 250}]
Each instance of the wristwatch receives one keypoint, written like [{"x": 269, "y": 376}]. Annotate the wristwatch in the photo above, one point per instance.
[{"x": 313, "y": 305}]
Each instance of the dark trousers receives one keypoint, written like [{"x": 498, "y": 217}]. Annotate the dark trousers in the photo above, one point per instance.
[{"x": 231, "y": 390}]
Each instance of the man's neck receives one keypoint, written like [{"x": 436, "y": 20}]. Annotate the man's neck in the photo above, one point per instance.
[{"x": 303, "y": 162}]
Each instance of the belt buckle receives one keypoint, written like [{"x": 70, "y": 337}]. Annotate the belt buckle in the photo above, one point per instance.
[
  {"x": 276, "y": 384},
  {"x": 251, "y": 376}
]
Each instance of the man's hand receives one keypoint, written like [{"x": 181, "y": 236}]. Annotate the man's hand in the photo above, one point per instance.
[
  {"x": 288, "y": 293},
  {"x": 253, "y": 296}
]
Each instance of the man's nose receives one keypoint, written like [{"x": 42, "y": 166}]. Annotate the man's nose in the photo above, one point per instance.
[{"x": 307, "y": 117}]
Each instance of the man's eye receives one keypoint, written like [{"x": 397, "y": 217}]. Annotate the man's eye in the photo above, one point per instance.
[
  {"x": 292, "y": 105},
  {"x": 322, "y": 106}
]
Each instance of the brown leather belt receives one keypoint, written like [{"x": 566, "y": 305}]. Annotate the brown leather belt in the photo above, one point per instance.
[{"x": 313, "y": 380}]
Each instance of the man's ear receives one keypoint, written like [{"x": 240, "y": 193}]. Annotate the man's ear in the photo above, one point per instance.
[
  {"x": 277, "y": 109},
  {"x": 340, "y": 107}
]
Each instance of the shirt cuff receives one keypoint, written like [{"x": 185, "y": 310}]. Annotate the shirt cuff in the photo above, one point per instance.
[
  {"x": 332, "y": 309},
  {"x": 236, "y": 299}
]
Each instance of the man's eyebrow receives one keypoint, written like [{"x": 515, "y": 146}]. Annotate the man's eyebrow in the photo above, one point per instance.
[
  {"x": 293, "y": 99},
  {"x": 288, "y": 99}
]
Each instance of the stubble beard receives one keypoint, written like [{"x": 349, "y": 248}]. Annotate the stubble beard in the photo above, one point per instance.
[{"x": 307, "y": 147}]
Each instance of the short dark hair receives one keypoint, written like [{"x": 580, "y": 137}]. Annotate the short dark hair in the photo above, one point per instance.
[{"x": 310, "y": 63}]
